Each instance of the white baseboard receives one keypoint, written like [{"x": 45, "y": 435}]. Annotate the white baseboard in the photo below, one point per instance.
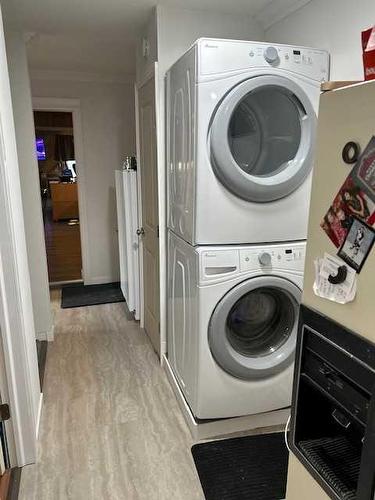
[
  {"x": 101, "y": 280},
  {"x": 269, "y": 422},
  {"x": 48, "y": 335},
  {"x": 39, "y": 417},
  {"x": 163, "y": 351},
  {"x": 51, "y": 334},
  {"x": 41, "y": 335}
]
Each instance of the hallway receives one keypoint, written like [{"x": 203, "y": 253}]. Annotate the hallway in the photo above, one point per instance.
[{"x": 111, "y": 428}]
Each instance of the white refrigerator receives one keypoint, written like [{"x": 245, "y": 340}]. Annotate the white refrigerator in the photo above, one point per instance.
[{"x": 342, "y": 200}]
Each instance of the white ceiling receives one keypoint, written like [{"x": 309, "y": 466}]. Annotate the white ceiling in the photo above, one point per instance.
[{"x": 100, "y": 35}]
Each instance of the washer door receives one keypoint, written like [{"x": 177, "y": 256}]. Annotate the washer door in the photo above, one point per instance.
[
  {"x": 262, "y": 138},
  {"x": 253, "y": 329}
]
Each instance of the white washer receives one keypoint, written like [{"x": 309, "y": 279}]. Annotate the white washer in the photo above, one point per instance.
[
  {"x": 241, "y": 120},
  {"x": 232, "y": 321}
]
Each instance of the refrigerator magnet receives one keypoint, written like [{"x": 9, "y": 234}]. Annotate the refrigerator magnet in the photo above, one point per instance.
[
  {"x": 357, "y": 244},
  {"x": 364, "y": 171},
  {"x": 354, "y": 200}
]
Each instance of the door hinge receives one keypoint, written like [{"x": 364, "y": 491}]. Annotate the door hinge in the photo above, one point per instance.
[
  {"x": 157, "y": 231},
  {"x": 4, "y": 412}
]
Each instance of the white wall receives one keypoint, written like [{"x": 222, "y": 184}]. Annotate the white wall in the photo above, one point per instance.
[
  {"x": 16, "y": 312},
  {"x": 31, "y": 200},
  {"x": 335, "y": 26},
  {"x": 177, "y": 29},
  {"x": 107, "y": 110},
  {"x": 145, "y": 65}
]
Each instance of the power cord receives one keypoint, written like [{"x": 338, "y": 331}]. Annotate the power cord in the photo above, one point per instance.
[{"x": 286, "y": 434}]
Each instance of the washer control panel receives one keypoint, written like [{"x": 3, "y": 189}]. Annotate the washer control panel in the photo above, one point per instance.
[
  {"x": 222, "y": 263},
  {"x": 265, "y": 259},
  {"x": 276, "y": 256}
]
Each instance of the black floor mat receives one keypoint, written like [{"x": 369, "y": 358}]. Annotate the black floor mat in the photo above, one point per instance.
[
  {"x": 90, "y": 295},
  {"x": 245, "y": 468}
]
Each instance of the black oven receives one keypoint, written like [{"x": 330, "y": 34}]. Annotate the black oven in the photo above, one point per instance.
[{"x": 333, "y": 409}]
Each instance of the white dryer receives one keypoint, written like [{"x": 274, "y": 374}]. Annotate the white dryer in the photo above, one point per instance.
[
  {"x": 232, "y": 322},
  {"x": 241, "y": 120}
]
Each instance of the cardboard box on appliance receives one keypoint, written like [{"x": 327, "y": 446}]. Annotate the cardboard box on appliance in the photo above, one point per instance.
[{"x": 368, "y": 48}]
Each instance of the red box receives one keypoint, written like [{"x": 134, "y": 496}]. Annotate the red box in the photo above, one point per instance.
[{"x": 368, "y": 48}]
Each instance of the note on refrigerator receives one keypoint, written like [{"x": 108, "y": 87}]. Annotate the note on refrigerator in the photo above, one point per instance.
[{"x": 341, "y": 292}]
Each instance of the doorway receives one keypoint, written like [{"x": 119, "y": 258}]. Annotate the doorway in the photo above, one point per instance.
[{"x": 59, "y": 193}]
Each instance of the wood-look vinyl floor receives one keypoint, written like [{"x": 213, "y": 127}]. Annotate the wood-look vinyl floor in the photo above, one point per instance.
[{"x": 111, "y": 428}]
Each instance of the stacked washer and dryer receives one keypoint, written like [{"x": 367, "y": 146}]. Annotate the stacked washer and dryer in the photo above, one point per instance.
[{"x": 241, "y": 121}]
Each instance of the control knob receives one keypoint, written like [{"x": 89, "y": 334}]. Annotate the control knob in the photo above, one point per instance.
[
  {"x": 264, "y": 259},
  {"x": 271, "y": 55}
]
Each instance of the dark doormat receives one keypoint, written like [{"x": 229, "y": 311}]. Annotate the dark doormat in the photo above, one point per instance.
[
  {"x": 90, "y": 295},
  {"x": 245, "y": 468}
]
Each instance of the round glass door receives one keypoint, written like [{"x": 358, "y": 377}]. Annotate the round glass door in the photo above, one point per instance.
[
  {"x": 262, "y": 137},
  {"x": 252, "y": 332}
]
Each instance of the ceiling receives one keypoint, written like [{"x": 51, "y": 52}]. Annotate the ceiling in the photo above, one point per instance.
[{"x": 100, "y": 35}]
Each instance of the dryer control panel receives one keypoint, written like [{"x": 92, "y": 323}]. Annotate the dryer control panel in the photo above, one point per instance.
[{"x": 224, "y": 56}]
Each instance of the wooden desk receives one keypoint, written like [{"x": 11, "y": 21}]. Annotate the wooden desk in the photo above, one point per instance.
[{"x": 64, "y": 200}]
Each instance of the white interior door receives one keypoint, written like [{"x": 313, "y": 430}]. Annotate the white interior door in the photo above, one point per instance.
[
  {"x": 150, "y": 217},
  {"x": 16, "y": 312}
]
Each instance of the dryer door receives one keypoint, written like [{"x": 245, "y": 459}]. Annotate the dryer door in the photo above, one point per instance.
[
  {"x": 252, "y": 331},
  {"x": 262, "y": 138}
]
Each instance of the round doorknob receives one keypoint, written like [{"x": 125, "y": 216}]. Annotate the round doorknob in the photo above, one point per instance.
[
  {"x": 140, "y": 231},
  {"x": 264, "y": 259},
  {"x": 271, "y": 55}
]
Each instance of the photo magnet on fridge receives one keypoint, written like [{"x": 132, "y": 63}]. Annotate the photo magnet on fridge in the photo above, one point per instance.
[
  {"x": 364, "y": 170},
  {"x": 357, "y": 245},
  {"x": 355, "y": 199}
]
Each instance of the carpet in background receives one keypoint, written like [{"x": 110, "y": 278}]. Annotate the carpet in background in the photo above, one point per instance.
[
  {"x": 90, "y": 295},
  {"x": 244, "y": 468}
]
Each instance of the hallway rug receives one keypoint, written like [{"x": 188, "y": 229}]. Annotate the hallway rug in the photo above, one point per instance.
[
  {"x": 244, "y": 468},
  {"x": 90, "y": 295}
]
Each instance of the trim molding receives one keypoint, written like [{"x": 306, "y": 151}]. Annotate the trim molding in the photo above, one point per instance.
[
  {"x": 39, "y": 415},
  {"x": 80, "y": 76},
  {"x": 278, "y": 10},
  {"x": 48, "y": 335},
  {"x": 101, "y": 280},
  {"x": 51, "y": 334},
  {"x": 14, "y": 484},
  {"x": 73, "y": 106}
]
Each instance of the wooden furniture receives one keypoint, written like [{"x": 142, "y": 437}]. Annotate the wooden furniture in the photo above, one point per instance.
[
  {"x": 64, "y": 200},
  {"x": 4, "y": 484}
]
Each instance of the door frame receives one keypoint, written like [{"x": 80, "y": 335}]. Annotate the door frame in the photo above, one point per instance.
[
  {"x": 20, "y": 380},
  {"x": 153, "y": 72},
  {"x": 73, "y": 106}
]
